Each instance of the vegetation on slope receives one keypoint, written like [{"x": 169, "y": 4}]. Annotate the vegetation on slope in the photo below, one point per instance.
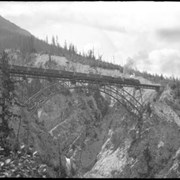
[
  {"x": 16, "y": 159},
  {"x": 23, "y": 163}
]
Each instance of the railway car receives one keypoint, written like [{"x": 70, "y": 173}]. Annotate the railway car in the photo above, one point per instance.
[
  {"x": 110, "y": 78},
  {"x": 10, "y": 66},
  {"x": 16, "y": 68},
  {"x": 95, "y": 76},
  {"x": 69, "y": 73},
  {"x": 132, "y": 81},
  {"x": 80, "y": 75}
]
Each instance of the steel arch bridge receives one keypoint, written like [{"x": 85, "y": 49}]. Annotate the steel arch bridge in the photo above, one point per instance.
[
  {"x": 119, "y": 94},
  {"x": 112, "y": 86}
]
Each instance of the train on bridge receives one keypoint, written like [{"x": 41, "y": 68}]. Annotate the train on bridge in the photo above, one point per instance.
[
  {"x": 16, "y": 69},
  {"x": 34, "y": 72}
]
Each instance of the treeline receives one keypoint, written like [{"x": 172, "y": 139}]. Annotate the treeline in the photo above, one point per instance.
[
  {"x": 155, "y": 78},
  {"x": 71, "y": 53},
  {"x": 31, "y": 44}
]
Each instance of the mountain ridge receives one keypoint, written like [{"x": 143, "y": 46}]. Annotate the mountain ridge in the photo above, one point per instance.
[{"x": 7, "y": 25}]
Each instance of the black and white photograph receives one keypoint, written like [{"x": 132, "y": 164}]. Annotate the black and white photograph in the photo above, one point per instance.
[{"x": 89, "y": 89}]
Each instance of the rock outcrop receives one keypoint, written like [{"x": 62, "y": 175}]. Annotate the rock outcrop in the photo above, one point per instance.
[{"x": 155, "y": 153}]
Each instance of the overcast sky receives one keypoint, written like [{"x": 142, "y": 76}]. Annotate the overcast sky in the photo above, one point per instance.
[{"x": 146, "y": 32}]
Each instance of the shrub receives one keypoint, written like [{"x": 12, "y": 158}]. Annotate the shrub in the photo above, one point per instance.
[{"x": 23, "y": 163}]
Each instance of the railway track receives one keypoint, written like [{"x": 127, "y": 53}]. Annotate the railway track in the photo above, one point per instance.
[{"x": 32, "y": 72}]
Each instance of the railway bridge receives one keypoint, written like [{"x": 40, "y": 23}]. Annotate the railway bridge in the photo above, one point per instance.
[{"x": 115, "y": 87}]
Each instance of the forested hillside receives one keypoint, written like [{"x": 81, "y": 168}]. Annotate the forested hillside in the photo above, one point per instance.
[{"x": 14, "y": 37}]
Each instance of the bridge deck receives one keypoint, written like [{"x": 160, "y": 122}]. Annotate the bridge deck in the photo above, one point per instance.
[{"x": 21, "y": 71}]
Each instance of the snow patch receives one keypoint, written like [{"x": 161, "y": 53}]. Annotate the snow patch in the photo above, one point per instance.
[
  {"x": 161, "y": 144},
  {"x": 39, "y": 113}
]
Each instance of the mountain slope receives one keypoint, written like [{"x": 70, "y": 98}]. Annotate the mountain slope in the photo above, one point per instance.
[
  {"x": 7, "y": 28},
  {"x": 14, "y": 37}
]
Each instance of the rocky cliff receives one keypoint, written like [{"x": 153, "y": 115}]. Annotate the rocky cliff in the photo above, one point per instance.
[
  {"x": 153, "y": 154},
  {"x": 67, "y": 125},
  {"x": 103, "y": 139}
]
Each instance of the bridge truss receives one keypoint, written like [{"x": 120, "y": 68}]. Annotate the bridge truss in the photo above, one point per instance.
[
  {"x": 117, "y": 93},
  {"x": 113, "y": 87}
]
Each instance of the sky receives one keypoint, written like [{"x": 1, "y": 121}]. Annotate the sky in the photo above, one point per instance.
[{"x": 147, "y": 34}]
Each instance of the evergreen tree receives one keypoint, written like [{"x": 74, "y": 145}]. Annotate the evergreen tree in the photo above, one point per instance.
[
  {"x": 91, "y": 54},
  {"x": 7, "y": 101},
  {"x": 57, "y": 41},
  {"x": 32, "y": 45},
  {"x": 53, "y": 41},
  {"x": 47, "y": 39},
  {"x": 65, "y": 45}
]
